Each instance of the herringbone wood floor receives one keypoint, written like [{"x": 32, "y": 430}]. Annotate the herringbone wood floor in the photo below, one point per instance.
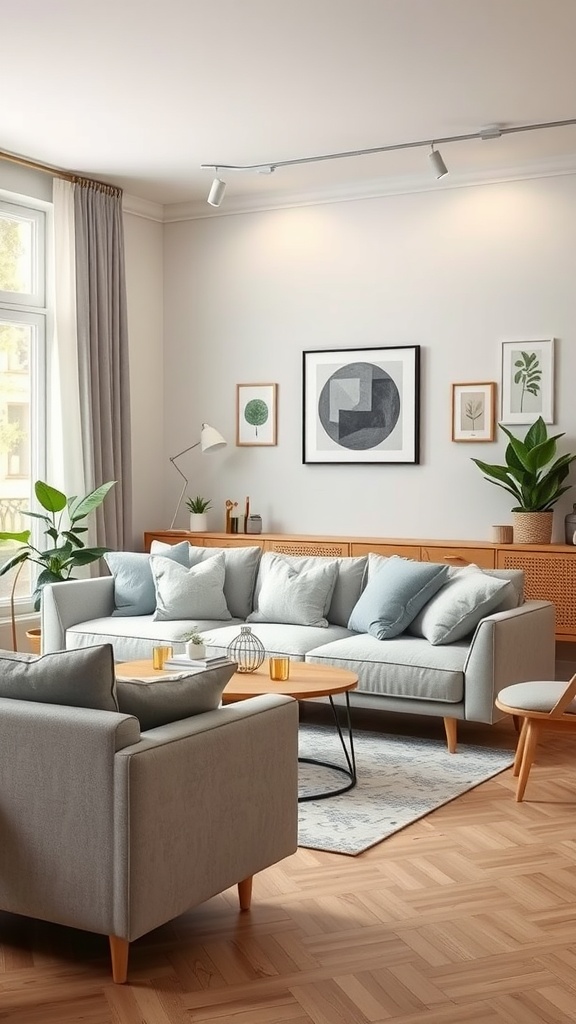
[{"x": 466, "y": 917}]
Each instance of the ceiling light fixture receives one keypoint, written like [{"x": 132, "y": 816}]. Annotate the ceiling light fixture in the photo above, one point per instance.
[
  {"x": 437, "y": 162},
  {"x": 217, "y": 190},
  {"x": 490, "y": 132}
]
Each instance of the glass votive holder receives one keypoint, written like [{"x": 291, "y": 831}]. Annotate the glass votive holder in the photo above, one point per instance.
[
  {"x": 279, "y": 668},
  {"x": 160, "y": 655}
]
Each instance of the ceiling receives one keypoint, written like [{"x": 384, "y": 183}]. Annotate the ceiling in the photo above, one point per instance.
[{"x": 140, "y": 93}]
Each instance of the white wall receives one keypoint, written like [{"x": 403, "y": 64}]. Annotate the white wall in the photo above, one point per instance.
[
  {"x": 455, "y": 271},
  {"x": 144, "y": 282}
]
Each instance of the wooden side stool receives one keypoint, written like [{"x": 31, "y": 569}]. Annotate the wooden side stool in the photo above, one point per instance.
[{"x": 540, "y": 705}]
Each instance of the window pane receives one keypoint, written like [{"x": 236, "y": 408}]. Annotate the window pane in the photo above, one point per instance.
[
  {"x": 16, "y": 255},
  {"x": 16, "y": 339}
]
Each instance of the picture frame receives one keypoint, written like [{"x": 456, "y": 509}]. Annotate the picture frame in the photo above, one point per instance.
[
  {"x": 527, "y": 390},
  {"x": 256, "y": 415},
  {"x": 474, "y": 411},
  {"x": 361, "y": 405}
]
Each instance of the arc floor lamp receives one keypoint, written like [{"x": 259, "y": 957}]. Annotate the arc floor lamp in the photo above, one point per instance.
[{"x": 210, "y": 441}]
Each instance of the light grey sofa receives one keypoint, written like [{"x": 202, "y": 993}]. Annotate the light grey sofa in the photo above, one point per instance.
[
  {"x": 117, "y": 831},
  {"x": 455, "y": 681}
]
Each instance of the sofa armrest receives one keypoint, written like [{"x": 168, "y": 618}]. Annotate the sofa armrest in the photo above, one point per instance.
[
  {"x": 66, "y": 604},
  {"x": 508, "y": 647},
  {"x": 201, "y": 805}
]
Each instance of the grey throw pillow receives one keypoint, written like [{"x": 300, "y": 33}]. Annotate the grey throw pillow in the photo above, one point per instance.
[
  {"x": 159, "y": 701},
  {"x": 134, "y": 592},
  {"x": 240, "y": 569},
  {"x": 296, "y": 596},
  {"x": 456, "y": 609},
  {"x": 194, "y": 593},
  {"x": 394, "y": 595},
  {"x": 82, "y": 678}
]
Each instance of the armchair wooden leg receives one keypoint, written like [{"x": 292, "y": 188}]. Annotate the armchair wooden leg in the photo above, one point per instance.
[
  {"x": 451, "y": 729},
  {"x": 530, "y": 742},
  {"x": 520, "y": 748},
  {"x": 245, "y": 893},
  {"x": 119, "y": 949}
]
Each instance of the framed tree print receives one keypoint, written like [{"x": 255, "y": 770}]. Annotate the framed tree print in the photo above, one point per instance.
[
  {"x": 528, "y": 381},
  {"x": 473, "y": 411},
  {"x": 361, "y": 405},
  {"x": 256, "y": 414}
]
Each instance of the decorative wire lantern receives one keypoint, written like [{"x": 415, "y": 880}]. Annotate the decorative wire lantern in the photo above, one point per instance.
[{"x": 247, "y": 650}]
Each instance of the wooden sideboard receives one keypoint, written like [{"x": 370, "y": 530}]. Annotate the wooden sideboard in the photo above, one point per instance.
[{"x": 550, "y": 569}]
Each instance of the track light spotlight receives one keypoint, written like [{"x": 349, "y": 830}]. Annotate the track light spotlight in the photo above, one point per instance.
[
  {"x": 217, "y": 191},
  {"x": 437, "y": 162}
]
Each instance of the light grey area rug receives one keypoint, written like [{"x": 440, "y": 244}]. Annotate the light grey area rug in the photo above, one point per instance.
[{"x": 399, "y": 780}]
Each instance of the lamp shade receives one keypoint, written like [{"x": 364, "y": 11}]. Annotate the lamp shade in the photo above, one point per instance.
[
  {"x": 210, "y": 438},
  {"x": 217, "y": 191},
  {"x": 438, "y": 164}
]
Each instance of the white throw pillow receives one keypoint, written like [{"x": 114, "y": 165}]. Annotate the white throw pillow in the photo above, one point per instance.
[
  {"x": 195, "y": 593},
  {"x": 455, "y": 611},
  {"x": 298, "y": 597}
]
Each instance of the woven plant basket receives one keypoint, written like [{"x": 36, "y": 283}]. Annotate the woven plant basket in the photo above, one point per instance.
[{"x": 532, "y": 527}]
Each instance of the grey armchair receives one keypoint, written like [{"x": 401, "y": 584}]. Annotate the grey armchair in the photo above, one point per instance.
[{"x": 113, "y": 831}]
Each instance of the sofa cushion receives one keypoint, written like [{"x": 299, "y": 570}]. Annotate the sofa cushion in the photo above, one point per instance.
[
  {"x": 277, "y": 637},
  {"x": 188, "y": 593},
  {"x": 405, "y": 667},
  {"x": 457, "y": 608},
  {"x": 160, "y": 700},
  {"x": 297, "y": 595},
  {"x": 134, "y": 637},
  {"x": 240, "y": 571},
  {"x": 394, "y": 595},
  {"x": 134, "y": 592},
  {"x": 79, "y": 679}
]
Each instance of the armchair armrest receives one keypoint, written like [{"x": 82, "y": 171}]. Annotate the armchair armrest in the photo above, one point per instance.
[
  {"x": 201, "y": 805},
  {"x": 65, "y": 604},
  {"x": 508, "y": 647}
]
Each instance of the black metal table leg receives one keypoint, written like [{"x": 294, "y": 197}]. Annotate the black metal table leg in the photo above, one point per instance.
[{"x": 350, "y": 769}]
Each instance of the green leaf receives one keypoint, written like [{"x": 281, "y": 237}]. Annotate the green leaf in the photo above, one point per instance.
[
  {"x": 21, "y": 538},
  {"x": 79, "y": 508},
  {"x": 50, "y": 499}
]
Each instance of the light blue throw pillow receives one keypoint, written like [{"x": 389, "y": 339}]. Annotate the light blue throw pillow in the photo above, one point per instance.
[
  {"x": 134, "y": 592},
  {"x": 394, "y": 595}
]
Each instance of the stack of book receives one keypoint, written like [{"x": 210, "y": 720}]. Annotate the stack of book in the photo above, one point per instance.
[{"x": 180, "y": 661}]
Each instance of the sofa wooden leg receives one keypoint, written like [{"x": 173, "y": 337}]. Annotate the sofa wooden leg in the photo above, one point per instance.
[
  {"x": 451, "y": 728},
  {"x": 245, "y": 893},
  {"x": 119, "y": 949}
]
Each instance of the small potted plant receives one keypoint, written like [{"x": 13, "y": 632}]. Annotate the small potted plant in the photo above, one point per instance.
[
  {"x": 198, "y": 507},
  {"x": 534, "y": 477},
  {"x": 195, "y": 647}
]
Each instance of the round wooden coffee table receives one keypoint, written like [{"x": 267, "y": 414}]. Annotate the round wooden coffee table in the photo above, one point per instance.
[{"x": 306, "y": 681}]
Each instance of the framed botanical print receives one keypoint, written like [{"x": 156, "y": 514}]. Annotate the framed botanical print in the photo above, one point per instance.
[
  {"x": 361, "y": 405},
  {"x": 256, "y": 414},
  {"x": 473, "y": 411},
  {"x": 528, "y": 381}
]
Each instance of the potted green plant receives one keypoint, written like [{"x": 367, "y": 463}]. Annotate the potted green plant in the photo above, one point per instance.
[
  {"x": 534, "y": 477},
  {"x": 198, "y": 507},
  {"x": 65, "y": 550},
  {"x": 195, "y": 647}
]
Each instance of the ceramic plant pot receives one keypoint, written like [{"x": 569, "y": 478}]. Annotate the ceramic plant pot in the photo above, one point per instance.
[
  {"x": 195, "y": 651},
  {"x": 198, "y": 522}
]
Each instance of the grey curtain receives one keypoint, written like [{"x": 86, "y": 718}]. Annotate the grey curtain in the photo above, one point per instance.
[{"x": 103, "y": 367}]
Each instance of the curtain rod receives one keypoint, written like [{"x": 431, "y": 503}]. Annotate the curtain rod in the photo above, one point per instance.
[{"x": 57, "y": 172}]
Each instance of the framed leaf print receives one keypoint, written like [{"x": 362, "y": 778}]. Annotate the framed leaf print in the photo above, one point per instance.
[
  {"x": 528, "y": 381},
  {"x": 256, "y": 414},
  {"x": 473, "y": 411}
]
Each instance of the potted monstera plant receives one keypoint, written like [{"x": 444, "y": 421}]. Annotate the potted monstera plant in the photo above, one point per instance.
[
  {"x": 534, "y": 477},
  {"x": 65, "y": 550}
]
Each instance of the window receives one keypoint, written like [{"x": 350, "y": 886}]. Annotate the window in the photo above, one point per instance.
[{"x": 22, "y": 373}]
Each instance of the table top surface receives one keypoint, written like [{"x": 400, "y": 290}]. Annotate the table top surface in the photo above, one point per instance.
[{"x": 305, "y": 681}]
